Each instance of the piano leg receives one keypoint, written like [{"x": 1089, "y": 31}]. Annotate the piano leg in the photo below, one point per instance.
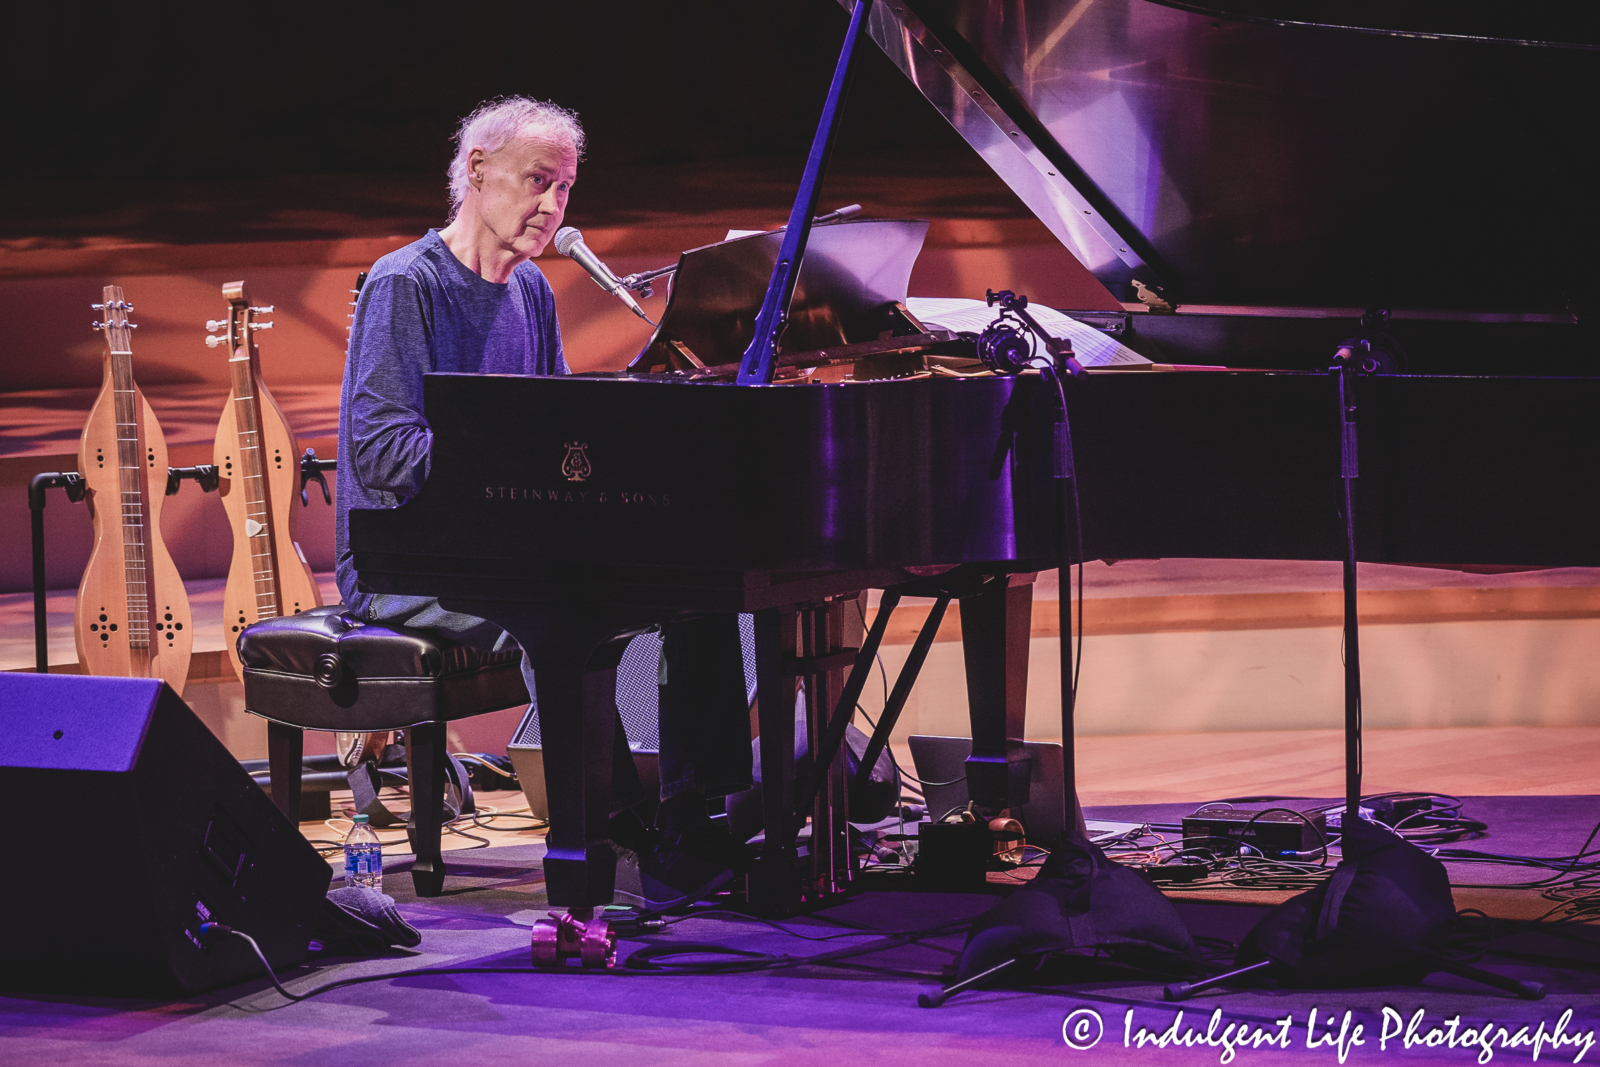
[
  {"x": 996, "y": 624},
  {"x": 809, "y": 643},
  {"x": 825, "y": 632},
  {"x": 579, "y": 867},
  {"x": 775, "y": 878},
  {"x": 574, "y": 653}
]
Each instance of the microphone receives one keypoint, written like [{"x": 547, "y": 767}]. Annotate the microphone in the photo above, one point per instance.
[{"x": 569, "y": 242}]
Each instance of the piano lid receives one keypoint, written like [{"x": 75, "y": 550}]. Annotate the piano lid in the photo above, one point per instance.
[{"x": 1411, "y": 158}]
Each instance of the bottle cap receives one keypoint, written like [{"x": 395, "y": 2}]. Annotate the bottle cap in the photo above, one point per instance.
[{"x": 361, "y": 820}]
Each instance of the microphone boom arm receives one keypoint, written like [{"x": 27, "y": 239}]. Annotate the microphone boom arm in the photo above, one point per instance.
[{"x": 569, "y": 242}]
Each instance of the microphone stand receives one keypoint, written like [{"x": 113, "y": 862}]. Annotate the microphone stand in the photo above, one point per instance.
[
  {"x": 1373, "y": 351},
  {"x": 1005, "y": 351},
  {"x": 1344, "y": 371},
  {"x": 1068, "y": 508}
]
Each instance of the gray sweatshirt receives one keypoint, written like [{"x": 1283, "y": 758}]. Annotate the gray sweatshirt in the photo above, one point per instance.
[{"x": 422, "y": 310}]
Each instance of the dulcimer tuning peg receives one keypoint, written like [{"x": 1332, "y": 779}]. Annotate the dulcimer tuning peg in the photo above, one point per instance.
[
  {"x": 213, "y": 341},
  {"x": 261, "y": 325},
  {"x": 263, "y": 311}
]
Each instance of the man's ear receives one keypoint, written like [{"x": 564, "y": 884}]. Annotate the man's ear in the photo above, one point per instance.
[{"x": 475, "y": 161}]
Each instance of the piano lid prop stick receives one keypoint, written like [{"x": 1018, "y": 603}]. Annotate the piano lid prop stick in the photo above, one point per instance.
[{"x": 761, "y": 358}]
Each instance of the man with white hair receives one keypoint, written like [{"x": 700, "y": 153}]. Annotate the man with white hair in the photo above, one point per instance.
[{"x": 467, "y": 298}]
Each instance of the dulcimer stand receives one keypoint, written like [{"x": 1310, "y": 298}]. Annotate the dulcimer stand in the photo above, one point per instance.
[
  {"x": 204, "y": 475},
  {"x": 38, "y": 492}
]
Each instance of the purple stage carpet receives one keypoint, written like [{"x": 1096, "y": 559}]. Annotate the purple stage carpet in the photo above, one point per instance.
[{"x": 851, "y": 1009}]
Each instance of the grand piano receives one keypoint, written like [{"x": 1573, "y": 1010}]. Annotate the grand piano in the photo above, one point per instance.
[{"x": 1264, "y": 184}]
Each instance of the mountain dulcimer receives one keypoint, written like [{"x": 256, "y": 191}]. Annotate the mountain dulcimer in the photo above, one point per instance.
[
  {"x": 258, "y": 470},
  {"x": 132, "y": 615}
]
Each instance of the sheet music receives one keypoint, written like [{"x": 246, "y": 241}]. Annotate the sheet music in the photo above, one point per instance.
[{"x": 963, "y": 315}]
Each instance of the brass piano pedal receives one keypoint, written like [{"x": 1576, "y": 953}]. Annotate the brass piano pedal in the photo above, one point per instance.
[{"x": 575, "y": 935}]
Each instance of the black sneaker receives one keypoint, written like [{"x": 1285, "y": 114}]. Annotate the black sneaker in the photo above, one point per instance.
[
  {"x": 684, "y": 824},
  {"x": 668, "y": 877},
  {"x": 708, "y": 841},
  {"x": 629, "y": 835}
]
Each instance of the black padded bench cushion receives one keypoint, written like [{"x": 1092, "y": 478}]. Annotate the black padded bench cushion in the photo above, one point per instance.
[{"x": 323, "y": 670}]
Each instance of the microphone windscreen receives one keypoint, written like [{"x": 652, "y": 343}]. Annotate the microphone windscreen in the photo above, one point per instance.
[{"x": 566, "y": 237}]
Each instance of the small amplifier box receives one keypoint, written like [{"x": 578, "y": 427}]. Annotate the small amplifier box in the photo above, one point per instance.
[{"x": 1275, "y": 832}]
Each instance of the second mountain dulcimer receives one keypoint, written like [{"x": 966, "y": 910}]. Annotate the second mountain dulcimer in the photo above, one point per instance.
[{"x": 258, "y": 466}]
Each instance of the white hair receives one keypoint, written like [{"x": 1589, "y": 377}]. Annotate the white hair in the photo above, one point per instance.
[{"x": 497, "y": 122}]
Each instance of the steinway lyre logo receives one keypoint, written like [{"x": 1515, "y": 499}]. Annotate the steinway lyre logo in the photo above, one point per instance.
[{"x": 576, "y": 465}]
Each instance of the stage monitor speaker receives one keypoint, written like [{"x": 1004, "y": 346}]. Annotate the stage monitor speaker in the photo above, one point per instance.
[{"x": 126, "y": 825}]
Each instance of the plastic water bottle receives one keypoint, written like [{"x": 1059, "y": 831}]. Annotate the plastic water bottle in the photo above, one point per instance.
[{"x": 363, "y": 857}]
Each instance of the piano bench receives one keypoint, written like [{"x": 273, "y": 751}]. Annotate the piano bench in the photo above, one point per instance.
[{"x": 324, "y": 670}]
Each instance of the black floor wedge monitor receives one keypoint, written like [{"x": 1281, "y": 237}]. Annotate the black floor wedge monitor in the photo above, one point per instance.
[{"x": 126, "y": 826}]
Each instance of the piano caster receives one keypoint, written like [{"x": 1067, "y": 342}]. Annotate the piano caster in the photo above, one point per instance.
[{"x": 575, "y": 935}]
